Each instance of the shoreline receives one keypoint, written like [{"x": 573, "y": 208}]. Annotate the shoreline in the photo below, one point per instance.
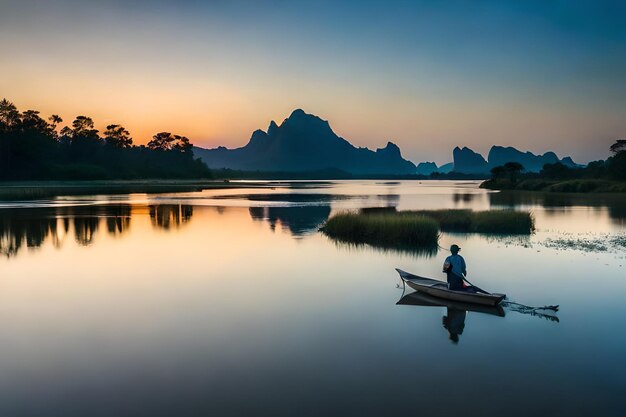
[
  {"x": 577, "y": 186},
  {"x": 32, "y": 190}
]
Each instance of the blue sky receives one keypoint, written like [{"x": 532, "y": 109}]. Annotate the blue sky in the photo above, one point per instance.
[{"x": 428, "y": 75}]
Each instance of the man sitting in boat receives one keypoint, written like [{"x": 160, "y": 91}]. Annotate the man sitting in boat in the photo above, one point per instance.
[{"x": 454, "y": 266}]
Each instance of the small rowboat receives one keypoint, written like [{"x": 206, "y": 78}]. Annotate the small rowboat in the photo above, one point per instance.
[{"x": 440, "y": 289}]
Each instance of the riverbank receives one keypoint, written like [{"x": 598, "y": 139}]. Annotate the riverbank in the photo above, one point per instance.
[
  {"x": 557, "y": 186},
  {"x": 32, "y": 190}
]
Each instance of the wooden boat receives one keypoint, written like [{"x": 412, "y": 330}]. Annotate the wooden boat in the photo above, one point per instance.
[
  {"x": 424, "y": 300},
  {"x": 440, "y": 289}
]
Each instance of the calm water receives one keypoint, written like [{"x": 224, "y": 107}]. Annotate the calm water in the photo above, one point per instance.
[{"x": 230, "y": 302}]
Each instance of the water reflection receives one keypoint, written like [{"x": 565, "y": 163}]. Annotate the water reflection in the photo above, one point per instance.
[
  {"x": 557, "y": 203},
  {"x": 298, "y": 220},
  {"x": 463, "y": 197},
  {"x": 166, "y": 216},
  {"x": 31, "y": 228},
  {"x": 454, "y": 320}
]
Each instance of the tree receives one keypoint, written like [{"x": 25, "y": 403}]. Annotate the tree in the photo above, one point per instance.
[
  {"x": 165, "y": 141},
  {"x": 617, "y": 163},
  {"x": 181, "y": 144},
  {"x": 556, "y": 171},
  {"x": 83, "y": 126},
  {"x": 55, "y": 119},
  {"x": 498, "y": 172},
  {"x": 118, "y": 137},
  {"x": 9, "y": 116},
  {"x": 618, "y": 146},
  {"x": 31, "y": 121},
  {"x": 513, "y": 169}
]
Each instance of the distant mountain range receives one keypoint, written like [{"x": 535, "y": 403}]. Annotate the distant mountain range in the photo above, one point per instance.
[
  {"x": 304, "y": 142},
  {"x": 469, "y": 162}
]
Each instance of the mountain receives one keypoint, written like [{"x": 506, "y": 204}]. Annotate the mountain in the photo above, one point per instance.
[
  {"x": 468, "y": 161},
  {"x": 499, "y": 155},
  {"x": 446, "y": 168},
  {"x": 427, "y": 168},
  {"x": 304, "y": 142}
]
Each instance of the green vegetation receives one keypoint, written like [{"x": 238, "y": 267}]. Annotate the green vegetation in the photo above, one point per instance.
[
  {"x": 597, "y": 177},
  {"x": 32, "y": 148},
  {"x": 383, "y": 229},
  {"x": 389, "y": 228},
  {"x": 492, "y": 221}
]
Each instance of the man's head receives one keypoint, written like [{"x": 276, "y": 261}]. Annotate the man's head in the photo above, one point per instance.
[{"x": 455, "y": 249}]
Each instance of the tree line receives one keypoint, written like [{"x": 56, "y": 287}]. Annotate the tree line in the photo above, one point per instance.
[{"x": 34, "y": 148}]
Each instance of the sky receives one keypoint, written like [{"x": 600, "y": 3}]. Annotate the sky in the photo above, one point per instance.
[{"x": 427, "y": 75}]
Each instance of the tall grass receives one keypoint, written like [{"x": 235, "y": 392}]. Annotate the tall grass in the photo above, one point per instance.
[
  {"x": 492, "y": 221},
  {"x": 420, "y": 229},
  {"x": 383, "y": 229}
]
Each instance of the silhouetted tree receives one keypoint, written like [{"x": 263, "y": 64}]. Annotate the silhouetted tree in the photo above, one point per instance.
[
  {"x": 556, "y": 170},
  {"x": 513, "y": 169},
  {"x": 165, "y": 141},
  {"x": 617, "y": 163},
  {"x": 498, "y": 172},
  {"x": 117, "y": 137},
  {"x": 618, "y": 146},
  {"x": 55, "y": 120},
  {"x": 31, "y": 148},
  {"x": 83, "y": 126}
]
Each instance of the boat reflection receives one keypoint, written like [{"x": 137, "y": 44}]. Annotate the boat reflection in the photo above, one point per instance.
[
  {"x": 456, "y": 312},
  {"x": 454, "y": 320}
]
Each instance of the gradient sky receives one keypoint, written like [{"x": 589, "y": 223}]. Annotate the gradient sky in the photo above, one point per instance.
[{"x": 428, "y": 75}]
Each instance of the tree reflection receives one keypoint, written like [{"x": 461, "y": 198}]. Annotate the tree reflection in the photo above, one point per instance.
[
  {"x": 20, "y": 228},
  {"x": 85, "y": 228},
  {"x": 165, "y": 216},
  {"x": 615, "y": 204},
  {"x": 32, "y": 227}
]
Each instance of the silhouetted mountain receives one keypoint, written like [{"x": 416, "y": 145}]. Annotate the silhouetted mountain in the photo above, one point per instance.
[
  {"x": 468, "y": 161},
  {"x": 304, "y": 142},
  {"x": 426, "y": 168},
  {"x": 446, "y": 168},
  {"x": 499, "y": 155}
]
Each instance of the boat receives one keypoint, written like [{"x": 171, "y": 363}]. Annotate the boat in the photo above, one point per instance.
[
  {"x": 440, "y": 289},
  {"x": 424, "y": 300}
]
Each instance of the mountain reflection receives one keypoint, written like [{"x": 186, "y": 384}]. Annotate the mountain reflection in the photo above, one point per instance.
[{"x": 298, "y": 220}]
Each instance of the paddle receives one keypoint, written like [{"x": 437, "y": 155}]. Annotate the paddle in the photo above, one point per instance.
[{"x": 477, "y": 288}]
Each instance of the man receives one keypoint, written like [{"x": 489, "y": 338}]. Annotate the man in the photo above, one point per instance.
[{"x": 454, "y": 266}]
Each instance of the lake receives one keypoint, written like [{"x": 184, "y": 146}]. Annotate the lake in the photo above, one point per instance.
[{"x": 231, "y": 303}]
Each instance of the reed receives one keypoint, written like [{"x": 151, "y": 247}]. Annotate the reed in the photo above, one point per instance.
[
  {"x": 383, "y": 229},
  {"x": 420, "y": 229}
]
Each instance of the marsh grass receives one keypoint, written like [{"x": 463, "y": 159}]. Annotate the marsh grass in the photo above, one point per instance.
[
  {"x": 493, "y": 221},
  {"x": 384, "y": 229},
  {"x": 420, "y": 229}
]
